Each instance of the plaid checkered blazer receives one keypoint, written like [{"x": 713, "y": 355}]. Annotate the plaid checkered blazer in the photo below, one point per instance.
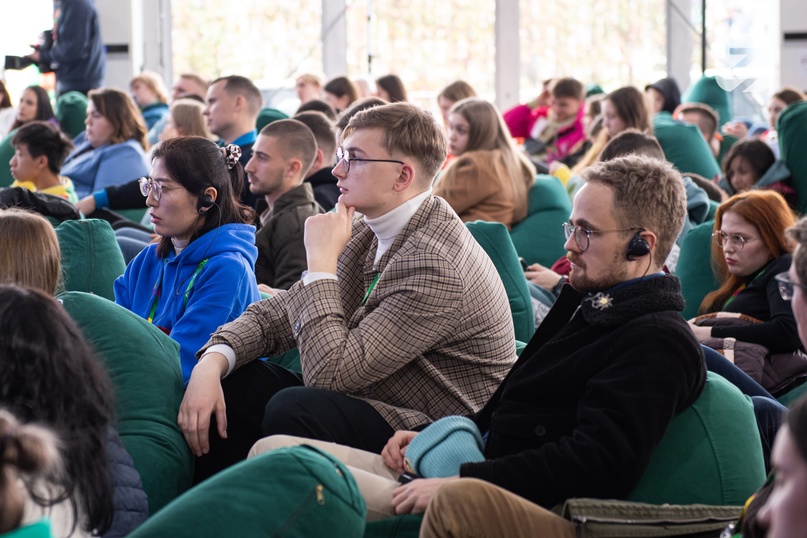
[{"x": 434, "y": 337}]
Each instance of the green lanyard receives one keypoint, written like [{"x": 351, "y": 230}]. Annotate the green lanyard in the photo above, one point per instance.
[
  {"x": 742, "y": 287},
  {"x": 370, "y": 289},
  {"x": 159, "y": 284}
]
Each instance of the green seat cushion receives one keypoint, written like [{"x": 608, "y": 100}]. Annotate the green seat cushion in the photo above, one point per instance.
[
  {"x": 71, "y": 110},
  {"x": 6, "y": 153},
  {"x": 694, "y": 267},
  {"x": 539, "y": 237},
  {"x": 289, "y": 360},
  {"x": 725, "y": 146},
  {"x": 792, "y": 128},
  {"x": 134, "y": 215},
  {"x": 91, "y": 257},
  {"x": 406, "y": 526},
  {"x": 711, "y": 453},
  {"x": 40, "y": 529},
  {"x": 143, "y": 363},
  {"x": 707, "y": 90},
  {"x": 494, "y": 239},
  {"x": 792, "y": 395},
  {"x": 296, "y": 491},
  {"x": 684, "y": 146},
  {"x": 267, "y": 116}
]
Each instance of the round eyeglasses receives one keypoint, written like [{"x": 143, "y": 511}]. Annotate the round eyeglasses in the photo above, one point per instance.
[
  {"x": 147, "y": 184},
  {"x": 342, "y": 155},
  {"x": 786, "y": 286},
  {"x": 736, "y": 240},
  {"x": 582, "y": 235}
]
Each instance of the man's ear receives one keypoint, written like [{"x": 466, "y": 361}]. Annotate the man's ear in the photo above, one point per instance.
[
  {"x": 240, "y": 102},
  {"x": 294, "y": 167},
  {"x": 651, "y": 239},
  {"x": 405, "y": 179},
  {"x": 319, "y": 160}
]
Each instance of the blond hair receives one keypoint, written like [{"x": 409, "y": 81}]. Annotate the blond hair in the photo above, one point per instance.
[
  {"x": 188, "y": 118},
  {"x": 407, "y": 130},
  {"x": 153, "y": 82},
  {"x": 30, "y": 256},
  {"x": 648, "y": 194}
]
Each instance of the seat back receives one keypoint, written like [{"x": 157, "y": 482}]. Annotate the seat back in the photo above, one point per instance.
[
  {"x": 6, "y": 153},
  {"x": 538, "y": 238},
  {"x": 145, "y": 372},
  {"x": 694, "y": 268},
  {"x": 494, "y": 239},
  {"x": 711, "y": 453},
  {"x": 91, "y": 257},
  {"x": 792, "y": 125},
  {"x": 684, "y": 146},
  {"x": 295, "y": 491},
  {"x": 71, "y": 110}
]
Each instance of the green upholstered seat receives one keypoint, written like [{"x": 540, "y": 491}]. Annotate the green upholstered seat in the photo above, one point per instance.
[
  {"x": 711, "y": 453},
  {"x": 725, "y": 146},
  {"x": 792, "y": 129},
  {"x": 707, "y": 90},
  {"x": 684, "y": 146},
  {"x": 71, "y": 110},
  {"x": 296, "y": 491},
  {"x": 792, "y": 395},
  {"x": 494, "y": 239},
  {"x": 539, "y": 237},
  {"x": 40, "y": 529},
  {"x": 91, "y": 257},
  {"x": 6, "y": 153},
  {"x": 143, "y": 363},
  {"x": 267, "y": 116},
  {"x": 694, "y": 267}
]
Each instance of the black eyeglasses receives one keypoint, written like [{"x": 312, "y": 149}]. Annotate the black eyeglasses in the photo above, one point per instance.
[
  {"x": 736, "y": 240},
  {"x": 786, "y": 286},
  {"x": 582, "y": 235},
  {"x": 147, "y": 184},
  {"x": 344, "y": 156}
]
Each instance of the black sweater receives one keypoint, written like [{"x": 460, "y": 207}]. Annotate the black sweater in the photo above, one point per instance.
[
  {"x": 760, "y": 299},
  {"x": 583, "y": 409}
]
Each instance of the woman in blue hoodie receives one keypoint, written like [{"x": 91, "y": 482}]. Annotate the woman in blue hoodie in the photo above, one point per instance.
[{"x": 201, "y": 273}]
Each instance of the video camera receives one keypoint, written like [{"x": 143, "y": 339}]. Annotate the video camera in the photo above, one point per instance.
[{"x": 21, "y": 62}]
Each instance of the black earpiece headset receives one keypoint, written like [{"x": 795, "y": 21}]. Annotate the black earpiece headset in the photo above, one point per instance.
[
  {"x": 638, "y": 246},
  {"x": 205, "y": 202}
]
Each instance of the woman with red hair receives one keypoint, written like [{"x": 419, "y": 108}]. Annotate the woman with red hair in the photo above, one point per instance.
[{"x": 750, "y": 249}]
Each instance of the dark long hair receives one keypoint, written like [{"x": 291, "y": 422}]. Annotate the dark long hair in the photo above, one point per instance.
[
  {"x": 49, "y": 375},
  {"x": 394, "y": 87},
  {"x": 196, "y": 163},
  {"x": 44, "y": 110}
]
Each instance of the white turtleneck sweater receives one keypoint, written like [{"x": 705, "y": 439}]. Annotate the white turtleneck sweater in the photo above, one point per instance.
[{"x": 386, "y": 228}]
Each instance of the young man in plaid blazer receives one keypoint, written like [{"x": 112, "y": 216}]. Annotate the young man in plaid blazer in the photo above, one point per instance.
[{"x": 400, "y": 320}]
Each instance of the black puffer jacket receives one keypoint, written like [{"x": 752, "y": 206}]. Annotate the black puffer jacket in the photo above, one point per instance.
[{"x": 130, "y": 501}]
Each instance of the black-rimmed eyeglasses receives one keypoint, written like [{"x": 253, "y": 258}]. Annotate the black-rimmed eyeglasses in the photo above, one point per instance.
[
  {"x": 582, "y": 235},
  {"x": 342, "y": 155},
  {"x": 786, "y": 286},
  {"x": 147, "y": 184}
]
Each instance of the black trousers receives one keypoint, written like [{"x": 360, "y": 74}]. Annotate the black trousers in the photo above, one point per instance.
[{"x": 266, "y": 399}]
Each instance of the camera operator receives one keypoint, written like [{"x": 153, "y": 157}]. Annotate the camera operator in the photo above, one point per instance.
[{"x": 77, "y": 55}]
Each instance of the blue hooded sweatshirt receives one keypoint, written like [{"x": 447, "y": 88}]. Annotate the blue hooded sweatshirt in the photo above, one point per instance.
[{"x": 193, "y": 297}]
